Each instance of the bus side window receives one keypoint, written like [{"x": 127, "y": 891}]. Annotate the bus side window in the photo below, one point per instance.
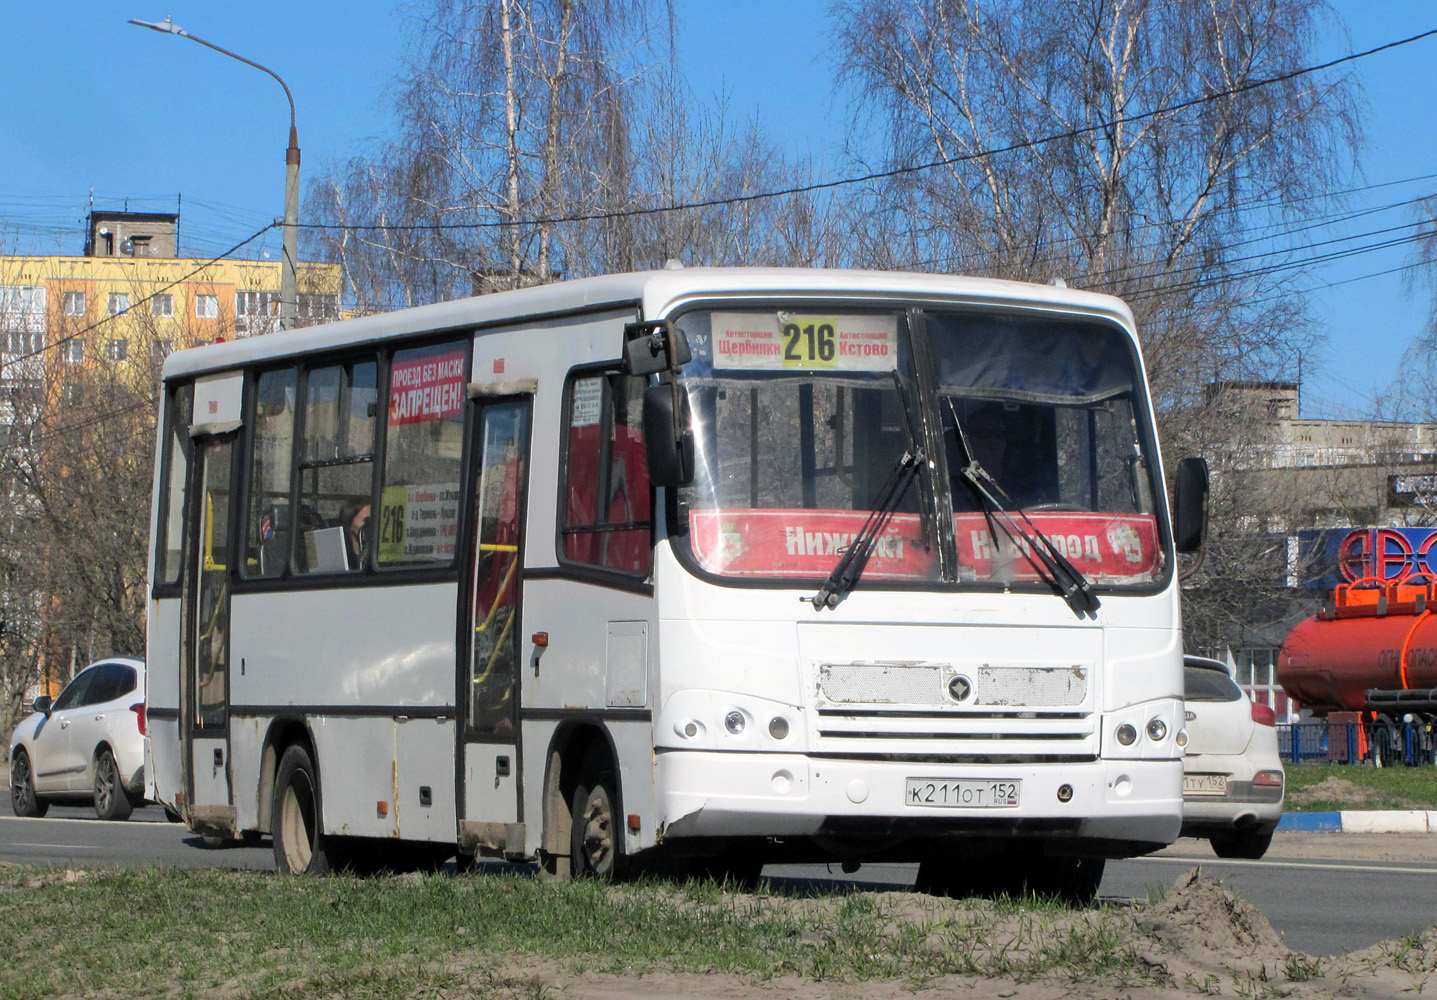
[
  {"x": 268, "y": 521},
  {"x": 606, "y": 513},
  {"x": 169, "y": 537},
  {"x": 336, "y": 467}
]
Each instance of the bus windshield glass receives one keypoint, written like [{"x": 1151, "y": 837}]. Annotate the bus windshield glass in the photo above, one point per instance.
[{"x": 801, "y": 415}]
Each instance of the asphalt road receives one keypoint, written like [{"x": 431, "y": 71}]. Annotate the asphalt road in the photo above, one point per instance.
[{"x": 1327, "y": 894}]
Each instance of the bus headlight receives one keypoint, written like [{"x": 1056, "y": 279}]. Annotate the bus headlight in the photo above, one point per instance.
[
  {"x": 1126, "y": 734},
  {"x": 778, "y": 727},
  {"x": 734, "y": 722},
  {"x": 1157, "y": 729}
]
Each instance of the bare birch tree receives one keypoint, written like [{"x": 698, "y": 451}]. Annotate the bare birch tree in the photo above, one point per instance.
[{"x": 1134, "y": 147}]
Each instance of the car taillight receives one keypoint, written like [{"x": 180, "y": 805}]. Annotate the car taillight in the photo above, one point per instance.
[
  {"x": 1267, "y": 779},
  {"x": 1263, "y": 715},
  {"x": 139, "y": 709}
]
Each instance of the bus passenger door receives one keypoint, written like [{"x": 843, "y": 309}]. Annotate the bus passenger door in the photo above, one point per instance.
[
  {"x": 204, "y": 640},
  {"x": 489, "y": 668}
]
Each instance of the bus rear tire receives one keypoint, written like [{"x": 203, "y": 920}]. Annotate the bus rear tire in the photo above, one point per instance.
[
  {"x": 297, "y": 830},
  {"x": 596, "y": 839}
]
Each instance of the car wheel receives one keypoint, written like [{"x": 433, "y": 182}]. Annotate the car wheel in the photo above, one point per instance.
[
  {"x": 596, "y": 846},
  {"x": 1250, "y": 846},
  {"x": 111, "y": 802},
  {"x": 22, "y": 788},
  {"x": 298, "y": 837}
]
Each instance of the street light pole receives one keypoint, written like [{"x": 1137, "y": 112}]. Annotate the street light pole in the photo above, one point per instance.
[{"x": 288, "y": 279}]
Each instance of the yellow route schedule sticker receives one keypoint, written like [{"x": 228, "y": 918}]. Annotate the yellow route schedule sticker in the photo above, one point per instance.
[{"x": 801, "y": 341}]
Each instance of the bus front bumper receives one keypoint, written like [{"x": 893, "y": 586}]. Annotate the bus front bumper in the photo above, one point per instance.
[{"x": 1115, "y": 809}]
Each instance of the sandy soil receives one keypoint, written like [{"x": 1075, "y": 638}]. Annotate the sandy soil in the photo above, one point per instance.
[
  {"x": 1344, "y": 793},
  {"x": 1201, "y": 940}
]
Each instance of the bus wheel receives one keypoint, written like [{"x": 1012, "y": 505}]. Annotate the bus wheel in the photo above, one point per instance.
[
  {"x": 596, "y": 846},
  {"x": 298, "y": 842},
  {"x": 1073, "y": 881}
]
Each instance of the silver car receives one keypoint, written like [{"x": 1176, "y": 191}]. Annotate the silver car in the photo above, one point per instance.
[
  {"x": 88, "y": 744},
  {"x": 1232, "y": 774}
]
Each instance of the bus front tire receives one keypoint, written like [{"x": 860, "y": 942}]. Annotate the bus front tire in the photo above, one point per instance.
[
  {"x": 1068, "y": 880},
  {"x": 596, "y": 839},
  {"x": 298, "y": 839}
]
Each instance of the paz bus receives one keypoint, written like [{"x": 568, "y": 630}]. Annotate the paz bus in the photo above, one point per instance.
[{"x": 700, "y": 567}]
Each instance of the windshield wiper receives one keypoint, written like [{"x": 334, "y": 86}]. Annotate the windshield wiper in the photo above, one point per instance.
[
  {"x": 1061, "y": 574},
  {"x": 850, "y": 566}
]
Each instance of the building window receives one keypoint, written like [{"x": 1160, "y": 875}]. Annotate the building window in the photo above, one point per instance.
[
  {"x": 23, "y": 343},
  {"x": 118, "y": 349},
  {"x": 74, "y": 303},
  {"x": 317, "y": 307},
  {"x": 162, "y": 305},
  {"x": 137, "y": 246},
  {"x": 22, "y": 307},
  {"x": 256, "y": 313},
  {"x": 159, "y": 349},
  {"x": 119, "y": 302},
  {"x": 74, "y": 350},
  {"x": 71, "y": 394},
  {"x": 207, "y": 306}
]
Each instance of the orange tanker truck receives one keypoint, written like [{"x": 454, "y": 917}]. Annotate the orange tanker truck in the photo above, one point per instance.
[{"x": 1370, "y": 655}]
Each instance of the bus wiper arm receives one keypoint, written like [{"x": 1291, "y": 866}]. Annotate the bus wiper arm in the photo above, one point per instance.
[
  {"x": 851, "y": 564},
  {"x": 1067, "y": 578},
  {"x": 1069, "y": 581}
]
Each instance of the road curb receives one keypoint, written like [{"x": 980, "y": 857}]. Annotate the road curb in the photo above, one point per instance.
[{"x": 1360, "y": 821}]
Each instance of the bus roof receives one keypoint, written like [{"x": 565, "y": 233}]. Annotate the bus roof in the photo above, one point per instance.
[{"x": 652, "y": 291}]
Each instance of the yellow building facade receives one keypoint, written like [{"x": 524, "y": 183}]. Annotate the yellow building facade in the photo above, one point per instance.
[{"x": 82, "y": 339}]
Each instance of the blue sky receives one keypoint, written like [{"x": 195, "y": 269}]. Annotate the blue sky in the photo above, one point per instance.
[{"x": 94, "y": 102}]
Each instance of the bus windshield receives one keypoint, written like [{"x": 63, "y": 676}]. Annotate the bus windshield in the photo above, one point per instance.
[{"x": 800, "y": 416}]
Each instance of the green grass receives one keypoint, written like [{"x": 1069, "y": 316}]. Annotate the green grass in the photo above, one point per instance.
[
  {"x": 1377, "y": 787},
  {"x": 198, "y": 933}
]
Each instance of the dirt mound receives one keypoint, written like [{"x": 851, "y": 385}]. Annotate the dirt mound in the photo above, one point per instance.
[
  {"x": 1200, "y": 929},
  {"x": 1339, "y": 790}
]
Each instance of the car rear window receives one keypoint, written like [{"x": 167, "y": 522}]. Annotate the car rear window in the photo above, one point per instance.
[{"x": 1209, "y": 685}]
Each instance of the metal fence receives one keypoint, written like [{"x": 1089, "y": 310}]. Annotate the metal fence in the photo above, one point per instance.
[{"x": 1379, "y": 743}]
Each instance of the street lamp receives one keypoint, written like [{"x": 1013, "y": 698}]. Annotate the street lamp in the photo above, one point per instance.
[{"x": 288, "y": 283}]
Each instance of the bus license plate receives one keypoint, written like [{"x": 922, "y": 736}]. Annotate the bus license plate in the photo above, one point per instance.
[
  {"x": 963, "y": 793},
  {"x": 1204, "y": 784}
]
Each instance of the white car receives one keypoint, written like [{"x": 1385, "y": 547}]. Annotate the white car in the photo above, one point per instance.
[
  {"x": 1232, "y": 774},
  {"x": 90, "y": 743}
]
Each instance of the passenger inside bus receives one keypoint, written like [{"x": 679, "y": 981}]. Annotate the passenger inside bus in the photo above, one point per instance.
[
  {"x": 1003, "y": 441},
  {"x": 354, "y": 517}
]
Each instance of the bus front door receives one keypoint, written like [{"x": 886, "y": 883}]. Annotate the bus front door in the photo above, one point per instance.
[
  {"x": 204, "y": 642},
  {"x": 489, "y": 668}
]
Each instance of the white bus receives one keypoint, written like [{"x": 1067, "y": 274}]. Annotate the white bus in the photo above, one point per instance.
[{"x": 709, "y": 567}]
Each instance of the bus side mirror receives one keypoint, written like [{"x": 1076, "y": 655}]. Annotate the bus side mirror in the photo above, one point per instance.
[
  {"x": 650, "y": 348},
  {"x": 1190, "y": 522},
  {"x": 668, "y": 440}
]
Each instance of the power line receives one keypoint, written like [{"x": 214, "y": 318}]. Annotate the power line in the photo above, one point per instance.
[
  {"x": 143, "y": 299},
  {"x": 895, "y": 171}
]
